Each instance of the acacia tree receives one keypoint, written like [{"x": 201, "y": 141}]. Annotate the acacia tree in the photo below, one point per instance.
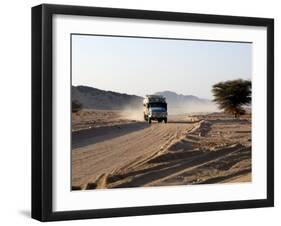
[{"x": 231, "y": 96}]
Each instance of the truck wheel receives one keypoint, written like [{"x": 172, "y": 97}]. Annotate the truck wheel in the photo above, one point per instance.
[
  {"x": 149, "y": 120},
  {"x": 165, "y": 120}
]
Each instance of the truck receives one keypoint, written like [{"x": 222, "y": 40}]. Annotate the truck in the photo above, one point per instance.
[{"x": 155, "y": 108}]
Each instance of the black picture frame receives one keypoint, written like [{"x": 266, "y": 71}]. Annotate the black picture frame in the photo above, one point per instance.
[{"x": 42, "y": 111}]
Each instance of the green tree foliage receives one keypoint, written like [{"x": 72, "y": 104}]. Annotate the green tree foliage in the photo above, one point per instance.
[
  {"x": 231, "y": 96},
  {"x": 76, "y": 106}
]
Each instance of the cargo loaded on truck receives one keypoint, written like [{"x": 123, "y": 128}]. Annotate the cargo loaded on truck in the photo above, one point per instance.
[{"x": 155, "y": 108}]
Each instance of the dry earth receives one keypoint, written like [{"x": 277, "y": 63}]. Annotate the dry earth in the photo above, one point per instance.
[
  {"x": 88, "y": 119},
  {"x": 116, "y": 152}
]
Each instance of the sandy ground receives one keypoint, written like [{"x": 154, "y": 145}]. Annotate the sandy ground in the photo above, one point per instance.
[
  {"x": 198, "y": 149},
  {"x": 88, "y": 119}
]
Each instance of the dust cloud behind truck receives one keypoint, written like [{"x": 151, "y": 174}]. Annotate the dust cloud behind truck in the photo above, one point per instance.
[{"x": 155, "y": 108}]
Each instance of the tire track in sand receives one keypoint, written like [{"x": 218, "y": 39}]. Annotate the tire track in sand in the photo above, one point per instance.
[{"x": 102, "y": 158}]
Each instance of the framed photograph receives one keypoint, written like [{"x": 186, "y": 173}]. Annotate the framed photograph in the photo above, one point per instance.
[{"x": 139, "y": 112}]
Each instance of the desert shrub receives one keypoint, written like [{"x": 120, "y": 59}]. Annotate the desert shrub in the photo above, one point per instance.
[{"x": 76, "y": 106}]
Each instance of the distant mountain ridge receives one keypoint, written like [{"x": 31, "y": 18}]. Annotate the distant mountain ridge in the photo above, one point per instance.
[
  {"x": 93, "y": 98},
  {"x": 180, "y": 103},
  {"x": 178, "y": 99}
]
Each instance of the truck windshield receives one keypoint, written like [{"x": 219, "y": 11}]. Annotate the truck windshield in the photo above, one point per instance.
[{"x": 162, "y": 105}]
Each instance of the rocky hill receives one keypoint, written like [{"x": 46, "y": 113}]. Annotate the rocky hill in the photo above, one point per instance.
[{"x": 93, "y": 98}]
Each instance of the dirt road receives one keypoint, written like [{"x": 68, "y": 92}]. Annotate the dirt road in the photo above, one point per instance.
[
  {"x": 200, "y": 150},
  {"x": 102, "y": 151}
]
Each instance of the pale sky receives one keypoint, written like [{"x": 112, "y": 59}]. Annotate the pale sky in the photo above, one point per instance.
[{"x": 143, "y": 66}]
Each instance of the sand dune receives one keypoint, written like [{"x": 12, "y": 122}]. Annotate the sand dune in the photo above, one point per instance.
[{"x": 187, "y": 150}]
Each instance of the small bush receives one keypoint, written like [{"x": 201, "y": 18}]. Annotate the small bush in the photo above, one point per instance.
[{"x": 76, "y": 106}]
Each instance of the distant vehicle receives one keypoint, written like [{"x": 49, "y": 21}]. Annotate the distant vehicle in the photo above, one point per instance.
[{"x": 155, "y": 108}]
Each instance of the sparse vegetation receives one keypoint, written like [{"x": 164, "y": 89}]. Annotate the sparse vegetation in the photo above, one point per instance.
[
  {"x": 232, "y": 96},
  {"x": 76, "y": 106}
]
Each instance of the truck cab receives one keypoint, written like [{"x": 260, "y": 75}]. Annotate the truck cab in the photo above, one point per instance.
[{"x": 155, "y": 108}]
